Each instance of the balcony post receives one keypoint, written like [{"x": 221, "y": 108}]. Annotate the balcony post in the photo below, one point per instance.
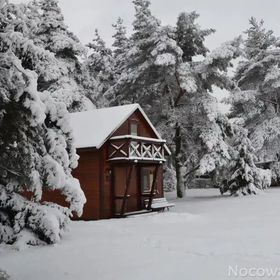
[{"x": 153, "y": 188}]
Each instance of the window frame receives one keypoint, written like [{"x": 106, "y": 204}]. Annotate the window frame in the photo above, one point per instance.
[
  {"x": 150, "y": 177},
  {"x": 134, "y": 123}
]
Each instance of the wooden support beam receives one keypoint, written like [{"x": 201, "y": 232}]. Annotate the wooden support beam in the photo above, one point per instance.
[
  {"x": 153, "y": 189},
  {"x": 128, "y": 179}
]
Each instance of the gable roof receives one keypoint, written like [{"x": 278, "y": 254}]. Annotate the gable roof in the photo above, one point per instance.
[{"x": 92, "y": 128}]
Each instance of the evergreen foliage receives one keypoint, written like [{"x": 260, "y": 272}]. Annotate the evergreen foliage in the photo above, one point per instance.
[
  {"x": 245, "y": 177},
  {"x": 190, "y": 37},
  {"x": 159, "y": 72},
  {"x": 100, "y": 65},
  {"x": 36, "y": 143},
  {"x": 255, "y": 99}
]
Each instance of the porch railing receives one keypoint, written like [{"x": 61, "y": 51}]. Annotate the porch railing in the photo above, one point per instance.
[{"x": 129, "y": 147}]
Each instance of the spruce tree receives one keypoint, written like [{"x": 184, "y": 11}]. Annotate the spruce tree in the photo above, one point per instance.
[
  {"x": 258, "y": 38},
  {"x": 121, "y": 46},
  {"x": 36, "y": 142},
  {"x": 52, "y": 34},
  {"x": 37, "y": 154},
  {"x": 255, "y": 99},
  {"x": 120, "y": 39},
  {"x": 100, "y": 66},
  {"x": 245, "y": 177},
  {"x": 190, "y": 37}
]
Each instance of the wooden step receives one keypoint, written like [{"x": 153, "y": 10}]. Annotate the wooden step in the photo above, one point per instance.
[{"x": 139, "y": 212}]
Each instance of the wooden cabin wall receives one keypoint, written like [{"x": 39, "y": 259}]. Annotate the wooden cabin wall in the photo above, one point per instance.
[
  {"x": 144, "y": 128},
  {"x": 160, "y": 182},
  {"x": 88, "y": 173},
  {"x": 123, "y": 173},
  {"x": 106, "y": 203},
  {"x": 133, "y": 203}
]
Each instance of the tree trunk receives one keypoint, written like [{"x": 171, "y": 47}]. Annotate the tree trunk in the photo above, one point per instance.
[{"x": 178, "y": 163}]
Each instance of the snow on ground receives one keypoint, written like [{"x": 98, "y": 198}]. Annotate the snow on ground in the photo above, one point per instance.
[{"x": 198, "y": 239}]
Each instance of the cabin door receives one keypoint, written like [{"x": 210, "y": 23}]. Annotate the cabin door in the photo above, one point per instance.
[{"x": 126, "y": 189}]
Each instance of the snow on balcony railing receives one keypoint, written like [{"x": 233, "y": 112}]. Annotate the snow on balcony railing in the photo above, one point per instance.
[{"x": 129, "y": 147}]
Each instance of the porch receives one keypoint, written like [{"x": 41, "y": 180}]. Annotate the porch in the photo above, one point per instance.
[
  {"x": 137, "y": 176},
  {"x": 135, "y": 185}
]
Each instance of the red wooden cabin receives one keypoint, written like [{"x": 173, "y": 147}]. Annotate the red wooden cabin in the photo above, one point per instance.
[{"x": 121, "y": 158}]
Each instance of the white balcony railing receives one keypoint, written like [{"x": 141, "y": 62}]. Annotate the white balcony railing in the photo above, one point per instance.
[{"x": 129, "y": 147}]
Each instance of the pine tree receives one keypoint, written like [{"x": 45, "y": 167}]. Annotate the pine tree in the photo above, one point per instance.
[
  {"x": 255, "y": 98},
  {"x": 36, "y": 142},
  {"x": 15, "y": 33},
  {"x": 51, "y": 33},
  {"x": 156, "y": 76},
  {"x": 121, "y": 46},
  {"x": 37, "y": 153},
  {"x": 245, "y": 177},
  {"x": 144, "y": 23},
  {"x": 100, "y": 65},
  {"x": 190, "y": 37},
  {"x": 120, "y": 39},
  {"x": 152, "y": 55},
  {"x": 258, "y": 38},
  {"x": 242, "y": 179},
  {"x": 196, "y": 110}
]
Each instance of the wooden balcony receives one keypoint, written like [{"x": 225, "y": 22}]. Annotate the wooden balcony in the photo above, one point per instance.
[{"x": 136, "y": 148}]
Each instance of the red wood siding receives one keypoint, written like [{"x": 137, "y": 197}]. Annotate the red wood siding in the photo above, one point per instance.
[
  {"x": 106, "y": 203},
  {"x": 88, "y": 173},
  {"x": 144, "y": 128}
]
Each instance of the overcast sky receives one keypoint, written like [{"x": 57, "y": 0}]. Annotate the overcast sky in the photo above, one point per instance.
[{"x": 229, "y": 18}]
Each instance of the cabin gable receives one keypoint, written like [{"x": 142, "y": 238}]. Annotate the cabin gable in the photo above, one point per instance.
[{"x": 143, "y": 127}]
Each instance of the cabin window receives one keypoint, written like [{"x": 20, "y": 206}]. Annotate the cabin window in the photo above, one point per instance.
[
  {"x": 134, "y": 129},
  {"x": 147, "y": 178}
]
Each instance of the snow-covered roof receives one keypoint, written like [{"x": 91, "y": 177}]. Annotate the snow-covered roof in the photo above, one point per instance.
[{"x": 93, "y": 128}]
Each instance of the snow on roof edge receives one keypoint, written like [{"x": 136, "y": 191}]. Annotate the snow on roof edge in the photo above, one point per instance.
[
  {"x": 121, "y": 122},
  {"x": 134, "y": 107}
]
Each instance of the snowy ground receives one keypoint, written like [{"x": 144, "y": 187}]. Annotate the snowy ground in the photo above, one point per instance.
[{"x": 198, "y": 239}]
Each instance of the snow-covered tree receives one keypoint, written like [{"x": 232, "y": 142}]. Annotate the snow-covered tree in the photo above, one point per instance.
[
  {"x": 151, "y": 58},
  {"x": 100, "y": 66},
  {"x": 4, "y": 275},
  {"x": 121, "y": 46},
  {"x": 256, "y": 97},
  {"x": 36, "y": 145},
  {"x": 37, "y": 154},
  {"x": 50, "y": 33},
  {"x": 169, "y": 178},
  {"x": 190, "y": 37},
  {"x": 14, "y": 35},
  {"x": 120, "y": 38},
  {"x": 258, "y": 38},
  {"x": 245, "y": 177},
  {"x": 160, "y": 72},
  {"x": 147, "y": 59}
]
